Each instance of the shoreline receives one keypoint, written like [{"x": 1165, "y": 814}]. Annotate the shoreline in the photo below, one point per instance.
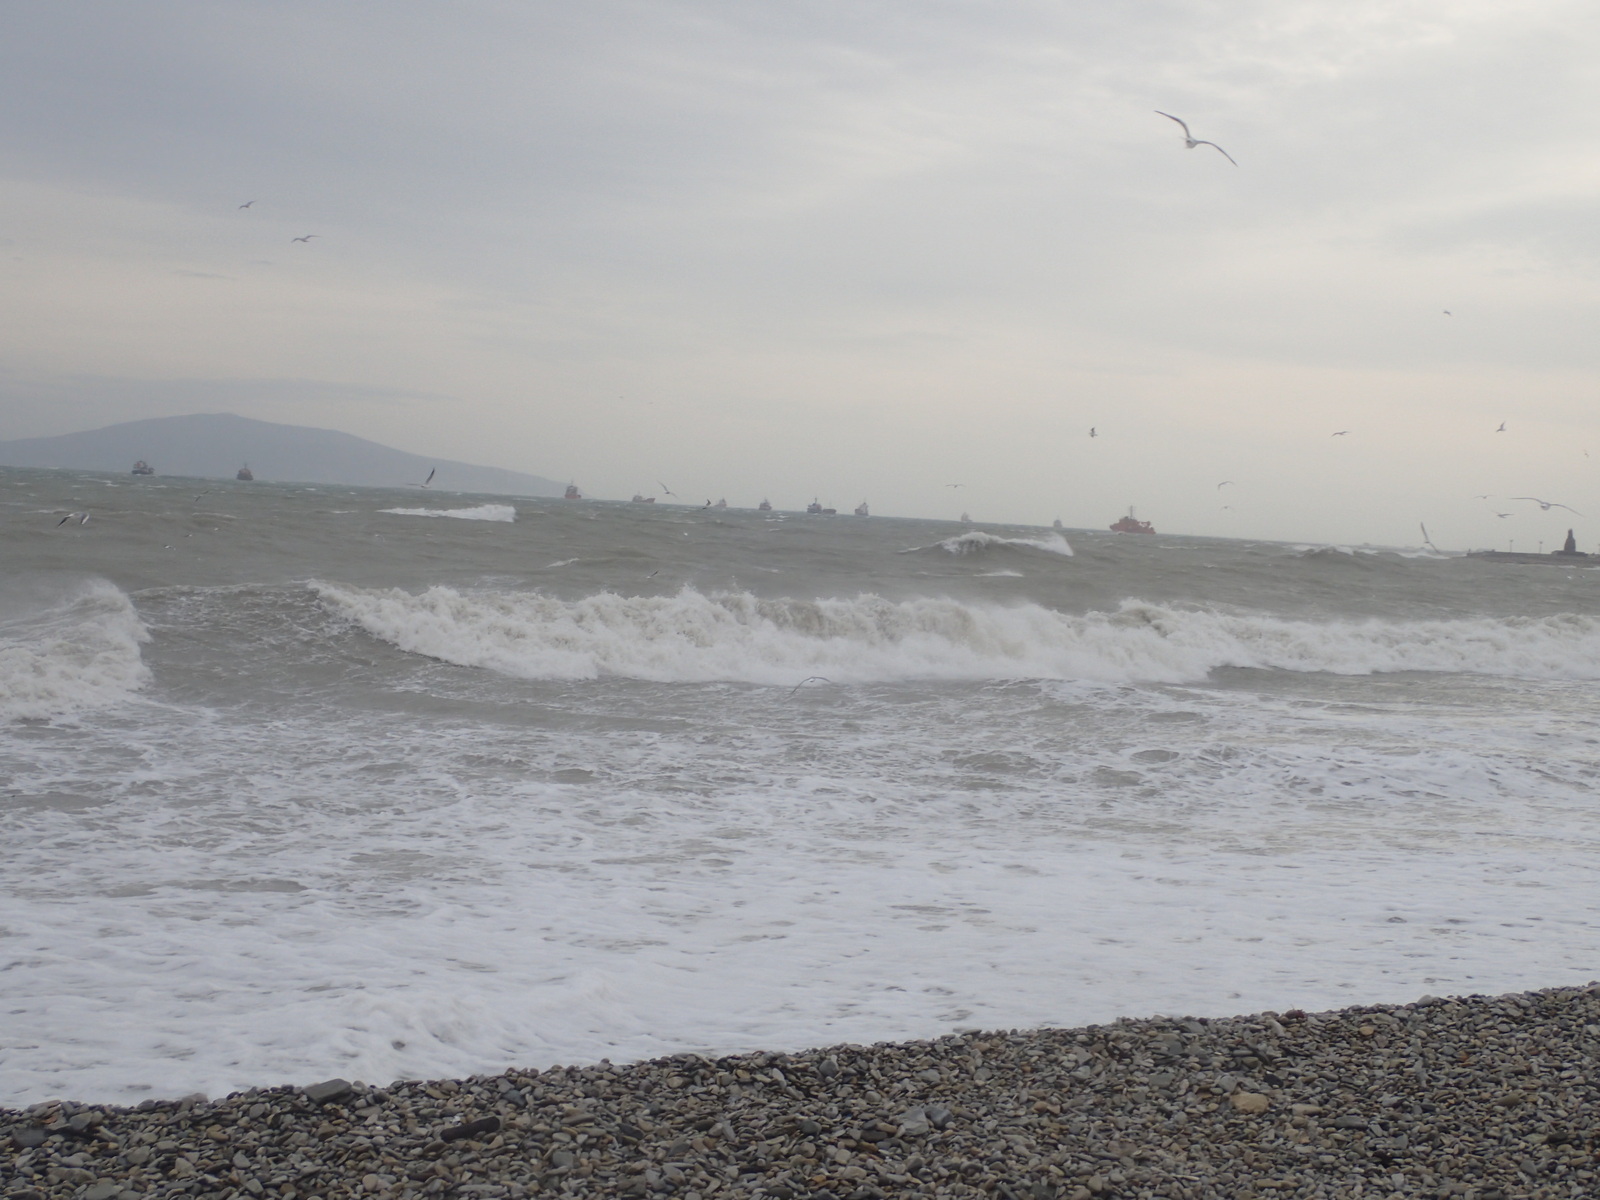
[{"x": 1484, "y": 1098}]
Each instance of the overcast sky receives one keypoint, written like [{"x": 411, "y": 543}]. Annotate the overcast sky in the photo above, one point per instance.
[{"x": 845, "y": 249}]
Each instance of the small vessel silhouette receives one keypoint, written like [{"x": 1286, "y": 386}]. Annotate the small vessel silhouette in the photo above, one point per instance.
[{"x": 143, "y": 468}]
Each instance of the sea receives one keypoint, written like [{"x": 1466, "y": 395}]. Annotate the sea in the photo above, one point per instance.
[{"x": 306, "y": 782}]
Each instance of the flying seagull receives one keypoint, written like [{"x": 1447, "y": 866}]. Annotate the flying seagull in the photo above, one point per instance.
[
  {"x": 1547, "y": 505},
  {"x": 1223, "y": 484},
  {"x": 955, "y": 485},
  {"x": 1502, "y": 428},
  {"x": 1190, "y": 141},
  {"x": 666, "y": 489},
  {"x": 1502, "y": 515},
  {"x": 429, "y": 479},
  {"x": 1426, "y": 540},
  {"x": 1092, "y": 433},
  {"x": 1341, "y": 433},
  {"x": 305, "y": 239},
  {"x": 809, "y": 679},
  {"x": 83, "y": 519},
  {"x": 247, "y": 204},
  {"x": 1448, "y": 313}
]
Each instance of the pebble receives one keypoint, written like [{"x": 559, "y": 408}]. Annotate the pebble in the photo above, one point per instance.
[{"x": 1474, "y": 1098}]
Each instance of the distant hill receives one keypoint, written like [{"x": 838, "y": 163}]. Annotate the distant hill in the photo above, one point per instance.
[{"x": 216, "y": 445}]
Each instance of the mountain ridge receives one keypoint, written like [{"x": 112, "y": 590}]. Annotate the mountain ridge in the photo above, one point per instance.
[{"x": 216, "y": 445}]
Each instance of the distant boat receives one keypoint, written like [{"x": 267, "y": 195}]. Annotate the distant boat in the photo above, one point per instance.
[
  {"x": 245, "y": 475},
  {"x": 815, "y": 508},
  {"x": 966, "y": 518},
  {"x": 1058, "y": 526},
  {"x": 573, "y": 493},
  {"x": 638, "y": 499},
  {"x": 720, "y": 504},
  {"x": 143, "y": 468},
  {"x": 1131, "y": 524},
  {"x": 764, "y": 506}
]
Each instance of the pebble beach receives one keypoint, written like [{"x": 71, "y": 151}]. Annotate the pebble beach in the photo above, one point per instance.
[{"x": 1483, "y": 1098}]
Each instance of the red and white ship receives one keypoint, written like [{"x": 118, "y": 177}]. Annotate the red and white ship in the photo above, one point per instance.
[{"x": 1132, "y": 524}]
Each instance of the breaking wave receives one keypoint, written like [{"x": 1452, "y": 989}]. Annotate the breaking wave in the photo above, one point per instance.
[
  {"x": 484, "y": 512},
  {"x": 79, "y": 655},
  {"x": 697, "y": 637},
  {"x": 978, "y": 542}
]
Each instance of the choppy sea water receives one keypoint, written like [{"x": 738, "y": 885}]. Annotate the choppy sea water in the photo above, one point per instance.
[{"x": 297, "y": 782}]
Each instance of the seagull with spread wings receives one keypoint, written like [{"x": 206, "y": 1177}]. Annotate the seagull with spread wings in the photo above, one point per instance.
[
  {"x": 1547, "y": 505},
  {"x": 1190, "y": 141},
  {"x": 306, "y": 239}
]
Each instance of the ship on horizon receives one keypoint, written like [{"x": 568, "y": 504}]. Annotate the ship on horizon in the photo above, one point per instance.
[{"x": 1131, "y": 524}]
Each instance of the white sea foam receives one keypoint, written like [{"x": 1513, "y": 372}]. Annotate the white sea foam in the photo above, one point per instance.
[
  {"x": 697, "y": 637},
  {"x": 977, "y": 542},
  {"x": 302, "y": 897},
  {"x": 483, "y": 512},
  {"x": 80, "y": 654}
]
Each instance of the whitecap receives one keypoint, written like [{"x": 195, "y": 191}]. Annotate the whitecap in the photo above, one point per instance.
[
  {"x": 978, "y": 542},
  {"x": 483, "y": 512},
  {"x": 78, "y": 655},
  {"x": 735, "y": 636}
]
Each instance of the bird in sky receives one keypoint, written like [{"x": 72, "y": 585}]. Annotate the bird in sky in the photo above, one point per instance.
[
  {"x": 1190, "y": 141},
  {"x": 1502, "y": 428},
  {"x": 1502, "y": 515},
  {"x": 955, "y": 485},
  {"x": 429, "y": 479},
  {"x": 1448, "y": 313},
  {"x": 83, "y": 519},
  {"x": 1341, "y": 433},
  {"x": 1223, "y": 484},
  {"x": 666, "y": 489},
  {"x": 306, "y": 239},
  {"x": 247, "y": 204},
  {"x": 1426, "y": 540},
  {"x": 1092, "y": 433},
  {"x": 1547, "y": 505}
]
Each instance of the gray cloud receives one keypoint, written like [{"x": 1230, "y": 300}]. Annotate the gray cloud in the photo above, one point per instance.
[{"x": 907, "y": 217}]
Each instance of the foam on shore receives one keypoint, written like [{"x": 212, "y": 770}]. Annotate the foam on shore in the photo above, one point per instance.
[{"x": 1477, "y": 1097}]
